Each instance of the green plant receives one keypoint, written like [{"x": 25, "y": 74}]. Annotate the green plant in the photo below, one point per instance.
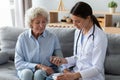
[{"x": 112, "y": 4}]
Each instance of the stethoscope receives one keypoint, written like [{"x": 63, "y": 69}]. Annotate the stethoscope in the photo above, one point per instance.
[{"x": 92, "y": 34}]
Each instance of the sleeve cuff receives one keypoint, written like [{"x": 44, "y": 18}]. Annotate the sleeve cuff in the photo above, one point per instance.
[
  {"x": 62, "y": 67},
  {"x": 89, "y": 73},
  {"x": 32, "y": 66}
]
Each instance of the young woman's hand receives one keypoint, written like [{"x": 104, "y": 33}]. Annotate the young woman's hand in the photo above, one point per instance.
[{"x": 67, "y": 76}]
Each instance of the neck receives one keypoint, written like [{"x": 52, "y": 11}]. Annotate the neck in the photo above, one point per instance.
[
  {"x": 36, "y": 35},
  {"x": 87, "y": 28}
]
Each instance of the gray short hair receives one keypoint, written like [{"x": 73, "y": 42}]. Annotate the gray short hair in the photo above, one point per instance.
[{"x": 34, "y": 12}]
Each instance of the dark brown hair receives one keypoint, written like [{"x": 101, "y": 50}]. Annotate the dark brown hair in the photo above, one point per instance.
[{"x": 83, "y": 10}]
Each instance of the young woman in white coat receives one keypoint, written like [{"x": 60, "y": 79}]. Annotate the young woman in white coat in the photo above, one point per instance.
[{"x": 90, "y": 44}]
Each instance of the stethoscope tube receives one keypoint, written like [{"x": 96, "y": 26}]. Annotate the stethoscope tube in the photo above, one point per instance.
[{"x": 87, "y": 39}]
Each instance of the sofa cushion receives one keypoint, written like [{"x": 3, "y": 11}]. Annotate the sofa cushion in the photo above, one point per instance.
[
  {"x": 3, "y": 58},
  {"x": 114, "y": 44},
  {"x": 8, "y": 71},
  {"x": 66, "y": 38},
  {"x": 8, "y": 38},
  {"x": 112, "y": 77},
  {"x": 112, "y": 64}
]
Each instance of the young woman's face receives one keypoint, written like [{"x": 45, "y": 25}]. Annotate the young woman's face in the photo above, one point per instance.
[
  {"x": 79, "y": 22},
  {"x": 38, "y": 24}
]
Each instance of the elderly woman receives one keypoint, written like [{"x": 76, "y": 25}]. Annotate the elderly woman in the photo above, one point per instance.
[{"x": 35, "y": 46}]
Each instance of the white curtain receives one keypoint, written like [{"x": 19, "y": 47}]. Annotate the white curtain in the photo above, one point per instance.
[{"x": 20, "y": 7}]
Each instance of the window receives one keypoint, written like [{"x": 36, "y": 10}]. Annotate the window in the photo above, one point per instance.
[{"x": 7, "y": 12}]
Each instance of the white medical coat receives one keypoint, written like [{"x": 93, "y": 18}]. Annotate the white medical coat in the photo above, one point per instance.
[{"x": 90, "y": 55}]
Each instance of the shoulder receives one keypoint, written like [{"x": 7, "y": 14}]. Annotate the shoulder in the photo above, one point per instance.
[
  {"x": 100, "y": 35},
  {"x": 100, "y": 32},
  {"x": 77, "y": 31},
  {"x": 50, "y": 34},
  {"x": 24, "y": 34}
]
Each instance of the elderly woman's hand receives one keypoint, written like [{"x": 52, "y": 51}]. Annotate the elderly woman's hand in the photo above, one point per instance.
[
  {"x": 48, "y": 69},
  {"x": 58, "y": 60}
]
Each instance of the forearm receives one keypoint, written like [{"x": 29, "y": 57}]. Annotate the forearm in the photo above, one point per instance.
[
  {"x": 21, "y": 64},
  {"x": 91, "y": 72},
  {"x": 58, "y": 53}
]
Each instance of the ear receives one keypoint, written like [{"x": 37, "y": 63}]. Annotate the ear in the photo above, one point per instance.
[
  {"x": 88, "y": 17},
  {"x": 31, "y": 24}
]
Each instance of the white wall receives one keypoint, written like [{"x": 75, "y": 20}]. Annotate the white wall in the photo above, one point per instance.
[
  {"x": 53, "y": 4},
  {"x": 97, "y": 5}
]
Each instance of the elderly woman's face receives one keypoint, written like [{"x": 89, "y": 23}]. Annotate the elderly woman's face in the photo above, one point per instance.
[{"x": 38, "y": 24}]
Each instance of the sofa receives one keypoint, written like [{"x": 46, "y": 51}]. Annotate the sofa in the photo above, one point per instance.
[{"x": 8, "y": 38}]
